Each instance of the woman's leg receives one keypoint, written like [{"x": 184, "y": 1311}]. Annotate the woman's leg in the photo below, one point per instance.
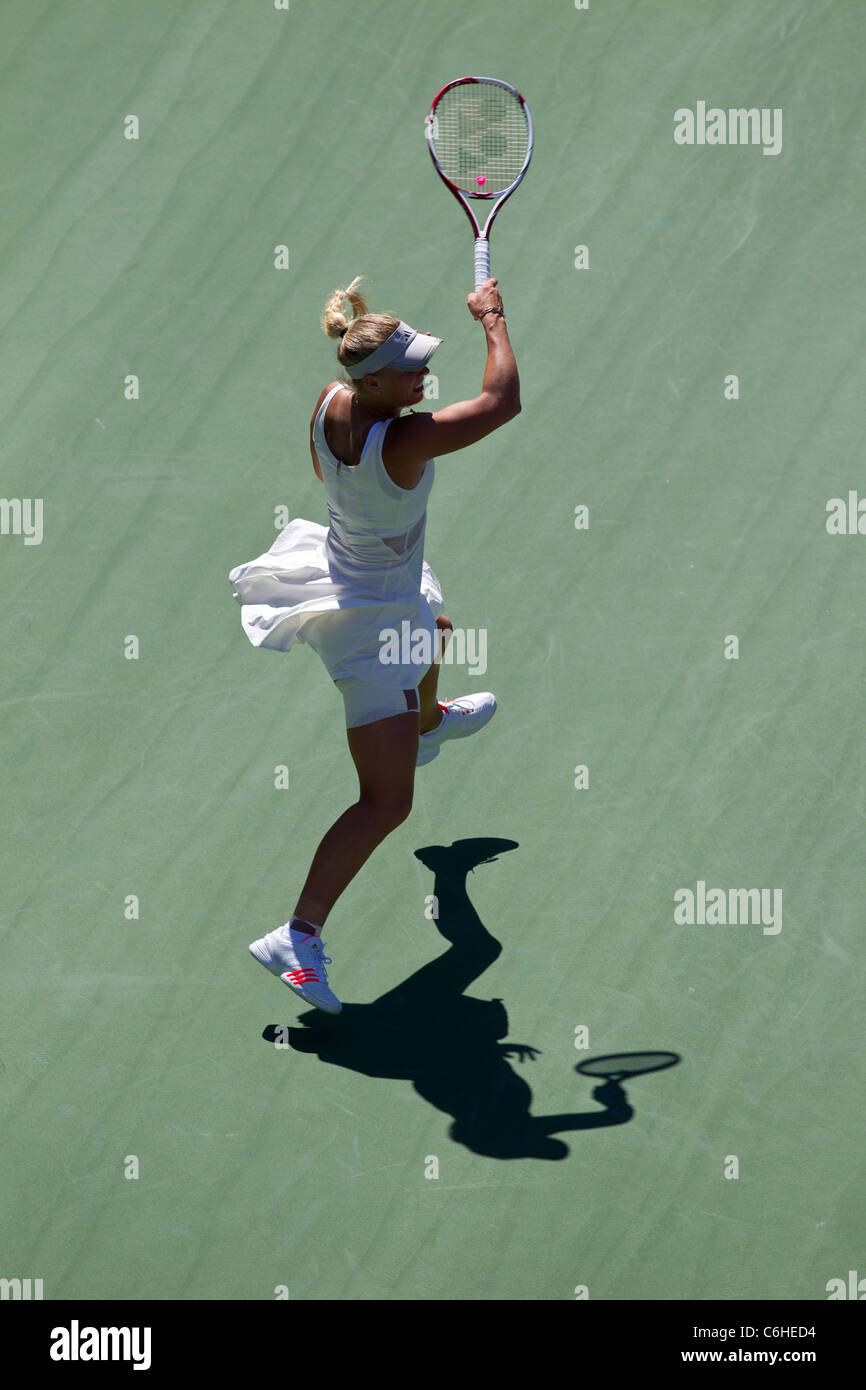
[
  {"x": 431, "y": 714},
  {"x": 384, "y": 753}
]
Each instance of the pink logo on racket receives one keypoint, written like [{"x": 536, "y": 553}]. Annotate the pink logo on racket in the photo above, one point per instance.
[{"x": 481, "y": 180}]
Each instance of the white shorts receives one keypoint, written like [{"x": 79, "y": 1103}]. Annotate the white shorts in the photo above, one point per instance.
[{"x": 365, "y": 703}]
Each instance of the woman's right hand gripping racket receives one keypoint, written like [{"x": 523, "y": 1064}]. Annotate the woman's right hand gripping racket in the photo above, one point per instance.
[{"x": 479, "y": 132}]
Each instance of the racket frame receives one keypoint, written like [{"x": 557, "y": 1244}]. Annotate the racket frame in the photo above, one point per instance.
[
  {"x": 618, "y": 1074},
  {"x": 482, "y": 238}
]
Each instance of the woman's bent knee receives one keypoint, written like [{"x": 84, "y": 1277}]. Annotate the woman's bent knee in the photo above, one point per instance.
[{"x": 388, "y": 810}]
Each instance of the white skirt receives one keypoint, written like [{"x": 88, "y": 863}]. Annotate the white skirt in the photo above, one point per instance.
[{"x": 289, "y": 594}]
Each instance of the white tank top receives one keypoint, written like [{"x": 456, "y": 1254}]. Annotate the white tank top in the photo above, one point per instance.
[{"x": 375, "y": 540}]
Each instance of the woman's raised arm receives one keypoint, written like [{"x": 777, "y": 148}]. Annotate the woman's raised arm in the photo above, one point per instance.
[{"x": 413, "y": 439}]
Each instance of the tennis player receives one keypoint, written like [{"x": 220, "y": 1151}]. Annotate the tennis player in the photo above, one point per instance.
[{"x": 341, "y": 589}]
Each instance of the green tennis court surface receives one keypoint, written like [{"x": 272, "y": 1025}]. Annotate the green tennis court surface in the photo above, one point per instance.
[{"x": 175, "y": 1124}]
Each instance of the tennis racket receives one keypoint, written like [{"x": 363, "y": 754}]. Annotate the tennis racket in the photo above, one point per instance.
[
  {"x": 625, "y": 1064},
  {"x": 479, "y": 133}
]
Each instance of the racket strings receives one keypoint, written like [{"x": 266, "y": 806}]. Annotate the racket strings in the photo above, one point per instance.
[{"x": 481, "y": 137}]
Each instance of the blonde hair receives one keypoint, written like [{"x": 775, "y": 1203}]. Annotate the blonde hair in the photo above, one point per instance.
[{"x": 361, "y": 334}]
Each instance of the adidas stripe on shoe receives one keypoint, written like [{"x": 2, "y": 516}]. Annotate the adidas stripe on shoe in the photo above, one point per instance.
[{"x": 299, "y": 961}]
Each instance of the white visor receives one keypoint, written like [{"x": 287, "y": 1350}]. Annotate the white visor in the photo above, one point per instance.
[{"x": 405, "y": 351}]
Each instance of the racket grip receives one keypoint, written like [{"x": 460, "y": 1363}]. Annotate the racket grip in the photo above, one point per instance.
[{"x": 482, "y": 261}]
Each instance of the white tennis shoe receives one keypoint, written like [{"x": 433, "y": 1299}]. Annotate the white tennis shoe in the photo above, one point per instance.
[
  {"x": 300, "y": 963},
  {"x": 460, "y": 718}
]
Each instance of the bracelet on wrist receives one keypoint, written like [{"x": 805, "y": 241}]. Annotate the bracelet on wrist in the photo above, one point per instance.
[{"x": 492, "y": 310}]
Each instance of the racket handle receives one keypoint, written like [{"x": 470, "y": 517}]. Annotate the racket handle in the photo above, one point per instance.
[{"x": 482, "y": 261}]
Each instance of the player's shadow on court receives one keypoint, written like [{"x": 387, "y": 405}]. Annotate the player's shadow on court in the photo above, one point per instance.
[{"x": 427, "y": 1031}]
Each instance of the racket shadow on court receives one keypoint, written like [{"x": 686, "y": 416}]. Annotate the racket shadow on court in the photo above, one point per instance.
[{"x": 450, "y": 1045}]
